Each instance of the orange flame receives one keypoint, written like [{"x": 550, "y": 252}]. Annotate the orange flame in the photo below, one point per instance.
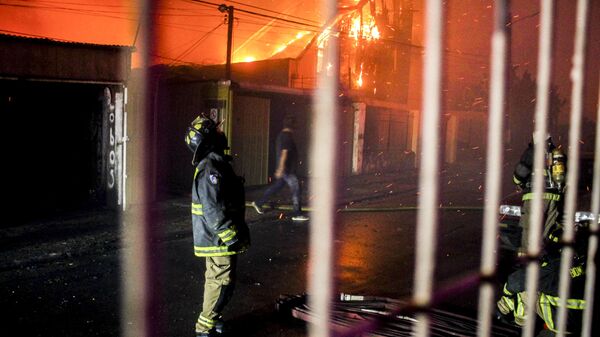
[
  {"x": 283, "y": 46},
  {"x": 359, "y": 82},
  {"x": 368, "y": 30}
]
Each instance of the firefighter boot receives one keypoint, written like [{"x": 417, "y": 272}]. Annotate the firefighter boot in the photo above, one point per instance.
[{"x": 220, "y": 327}]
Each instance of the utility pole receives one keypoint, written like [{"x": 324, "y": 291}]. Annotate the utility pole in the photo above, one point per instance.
[
  {"x": 229, "y": 9},
  {"x": 224, "y": 93}
]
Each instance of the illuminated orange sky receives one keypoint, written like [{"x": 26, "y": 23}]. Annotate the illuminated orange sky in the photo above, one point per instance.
[
  {"x": 193, "y": 32},
  {"x": 96, "y": 21}
]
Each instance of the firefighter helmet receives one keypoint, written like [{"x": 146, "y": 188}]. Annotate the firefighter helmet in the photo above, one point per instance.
[{"x": 200, "y": 137}]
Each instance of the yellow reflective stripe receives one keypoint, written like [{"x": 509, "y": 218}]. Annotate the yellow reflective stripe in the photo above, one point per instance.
[
  {"x": 572, "y": 303},
  {"x": 506, "y": 291},
  {"x": 217, "y": 254},
  {"x": 575, "y": 304},
  {"x": 209, "y": 323},
  {"x": 545, "y": 196},
  {"x": 197, "y": 209},
  {"x": 507, "y": 303},
  {"x": 546, "y": 311},
  {"x": 205, "y": 320},
  {"x": 520, "y": 310},
  {"x": 196, "y": 173},
  {"x": 576, "y": 271},
  {"x": 227, "y": 234},
  {"x": 213, "y": 249},
  {"x": 516, "y": 180}
]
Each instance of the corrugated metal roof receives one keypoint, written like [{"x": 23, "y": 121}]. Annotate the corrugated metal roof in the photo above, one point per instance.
[
  {"x": 17, "y": 35},
  {"x": 36, "y": 58}
]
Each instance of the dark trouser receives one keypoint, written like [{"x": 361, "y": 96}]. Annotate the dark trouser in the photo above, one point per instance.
[
  {"x": 218, "y": 288},
  {"x": 288, "y": 179},
  {"x": 514, "y": 294}
]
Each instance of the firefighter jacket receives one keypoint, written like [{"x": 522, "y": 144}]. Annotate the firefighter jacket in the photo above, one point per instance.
[
  {"x": 523, "y": 174},
  {"x": 218, "y": 209}
]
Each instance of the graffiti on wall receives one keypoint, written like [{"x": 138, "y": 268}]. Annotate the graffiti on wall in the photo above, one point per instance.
[{"x": 112, "y": 143}]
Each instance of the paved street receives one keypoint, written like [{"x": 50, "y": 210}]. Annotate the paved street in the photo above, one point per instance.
[{"x": 62, "y": 278}]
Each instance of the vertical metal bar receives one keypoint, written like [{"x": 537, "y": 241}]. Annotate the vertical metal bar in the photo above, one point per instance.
[
  {"x": 493, "y": 166},
  {"x": 125, "y": 140},
  {"x": 229, "y": 41},
  {"x": 590, "y": 273},
  {"x": 118, "y": 123},
  {"x": 541, "y": 130},
  {"x": 428, "y": 181},
  {"x": 322, "y": 187},
  {"x": 137, "y": 294},
  {"x": 577, "y": 77}
]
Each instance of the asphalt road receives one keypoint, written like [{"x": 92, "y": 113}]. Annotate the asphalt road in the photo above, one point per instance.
[
  {"x": 62, "y": 277},
  {"x": 74, "y": 290}
]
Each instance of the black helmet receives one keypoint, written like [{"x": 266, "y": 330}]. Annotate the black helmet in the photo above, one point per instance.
[{"x": 201, "y": 137}]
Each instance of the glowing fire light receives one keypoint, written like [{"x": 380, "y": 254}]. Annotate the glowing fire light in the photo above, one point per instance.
[
  {"x": 359, "y": 82},
  {"x": 249, "y": 59},
  {"x": 282, "y": 47},
  {"x": 367, "y": 31}
]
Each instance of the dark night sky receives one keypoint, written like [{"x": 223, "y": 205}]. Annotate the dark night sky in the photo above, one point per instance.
[{"x": 468, "y": 32}]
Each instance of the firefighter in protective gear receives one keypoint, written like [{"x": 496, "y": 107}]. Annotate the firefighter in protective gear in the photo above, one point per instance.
[
  {"x": 513, "y": 298},
  {"x": 514, "y": 295},
  {"x": 218, "y": 219},
  {"x": 554, "y": 181}
]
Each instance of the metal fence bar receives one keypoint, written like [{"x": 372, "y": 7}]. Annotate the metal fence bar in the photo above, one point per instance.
[
  {"x": 135, "y": 283},
  {"x": 541, "y": 130},
  {"x": 493, "y": 166},
  {"x": 428, "y": 175},
  {"x": 322, "y": 186},
  {"x": 590, "y": 272},
  {"x": 577, "y": 77}
]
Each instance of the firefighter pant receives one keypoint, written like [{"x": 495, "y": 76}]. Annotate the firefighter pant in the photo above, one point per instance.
[
  {"x": 514, "y": 297},
  {"x": 218, "y": 288}
]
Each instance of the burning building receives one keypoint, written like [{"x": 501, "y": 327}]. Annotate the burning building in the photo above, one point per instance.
[{"x": 379, "y": 124}]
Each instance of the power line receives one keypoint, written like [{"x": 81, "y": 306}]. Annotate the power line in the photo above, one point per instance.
[
  {"x": 463, "y": 54},
  {"x": 12, "y": 32},
  {"x": 82, "y": 10},
  {"x": 195, "y": 44},
  {"x": 71, "y": 10},
  {"x": 258, "y": 14},
  {"x": 31, "y": 35},
  {"x": 276, "y": 18},
  {"x": 245, "y": 17},
  {"x": 272, "y": 11},
  {"x": 77, "y": 4}
]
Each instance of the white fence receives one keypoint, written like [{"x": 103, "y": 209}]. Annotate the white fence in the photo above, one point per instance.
[{"x": 320, "y": 285}]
